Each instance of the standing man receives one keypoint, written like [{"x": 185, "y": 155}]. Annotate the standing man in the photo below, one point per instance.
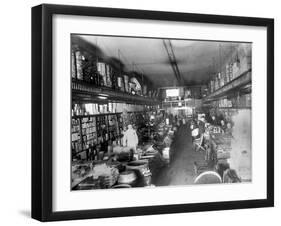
[
  {"x": 201, "y": 125},
  {"x": 214, "y": 121},
  {"x": 130, "y": 138}
]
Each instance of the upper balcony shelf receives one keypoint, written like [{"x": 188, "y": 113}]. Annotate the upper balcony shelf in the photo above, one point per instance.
[{"x": 234, "y": 85}]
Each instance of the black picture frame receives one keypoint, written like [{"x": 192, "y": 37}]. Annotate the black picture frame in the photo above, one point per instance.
[{"x": 42, "y": 111}]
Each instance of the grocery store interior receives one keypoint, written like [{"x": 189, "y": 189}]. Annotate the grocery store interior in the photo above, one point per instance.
[{"x": 149, "y": 112}]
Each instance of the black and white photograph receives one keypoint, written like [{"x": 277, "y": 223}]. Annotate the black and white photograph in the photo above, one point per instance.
[
  {"x": 138, "y": 113},
  {"x": 146, "y": 112},
  {"x": 152, "y": 112}
]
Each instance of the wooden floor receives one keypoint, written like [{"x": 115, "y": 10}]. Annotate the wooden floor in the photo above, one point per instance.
[{"x": 181, "y": 169}]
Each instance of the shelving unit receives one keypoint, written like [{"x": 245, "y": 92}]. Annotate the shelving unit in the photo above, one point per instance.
[
  {"x": 76, "y": 143},
  {"x": 93, "y": 73},
  {"x": 97, "y": 79},
  {"x": 230, "y": 87},
  {"x": 84, "y": 92},
  {"x": 91, "y": 131},
  {"x": 232, "y": 96}
]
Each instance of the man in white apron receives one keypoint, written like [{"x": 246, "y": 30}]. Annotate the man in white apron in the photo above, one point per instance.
[{"x": 130, "y": 138}]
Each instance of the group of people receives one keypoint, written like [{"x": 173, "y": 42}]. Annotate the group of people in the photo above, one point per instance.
[
  {"x": 226, "y": 126},
  {"x": 198, "y": 126},
  {"x": 200, "y": 132},
  {"x": 175, "y": 120}
]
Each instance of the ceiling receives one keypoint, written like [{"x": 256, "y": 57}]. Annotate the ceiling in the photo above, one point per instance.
[{"x": 197, "y": 61}]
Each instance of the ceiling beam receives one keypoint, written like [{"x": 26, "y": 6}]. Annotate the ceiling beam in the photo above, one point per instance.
[{"x": 171, "y": 55}]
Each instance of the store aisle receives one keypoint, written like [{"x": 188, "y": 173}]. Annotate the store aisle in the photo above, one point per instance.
[{"x": 181, "y": 170}]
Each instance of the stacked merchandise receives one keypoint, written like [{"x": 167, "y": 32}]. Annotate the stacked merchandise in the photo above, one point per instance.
[
  {"x": 73, "y": 65},
  {"x": 120, "y": 128},
  {"x": 102, "y": 71},
  {"x": 99, "y": 70},
  {"x": 126, "y": 83},
  {"x": 243, "y": 60},
  {"x": 212, "y": 86},
  {"x": 114, "y": 79},
  {"x": 229, "y": 72},
  {"x": 79, "y": 172},
  {"x": 144, "y": 91},
  {"x": 79, "y": 65},
  {"x": 102, "y": 74},
  {"x": 108, "y": 75},
  {"x": 120, "y": 83},
  {"x": 84, "y": 67},
  {"x": 89, "y": 69},
  {"x": 103, "y": 108},
  {"x": 243, "y": 101},
  {"x": 224, "y": 79},
  {"x": 113, "y": 129},
  {"x": 224, "y": 103},
  {"x": 233, "y": 69},
  {"x": 77, "y": 110},
  {"x": 102, "y": 128},
  {"x": 216, "y": 83},
  {"x": 89, "y": 130},
  {"x": 89, "y": 176},
  {"x": 223, "y": 146},
  {"x": 219, "y": 80},
  {"x": 91, "y": 109},
  {"x": 76, "y": 144}
]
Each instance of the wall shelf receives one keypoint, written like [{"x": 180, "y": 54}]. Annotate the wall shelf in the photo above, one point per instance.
[
  {"x": 92, "y": 133},
  {"x": 83, "y": 92},
  {"x": 93, "y": 115},
  {"x": 234, "y": 85}
]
